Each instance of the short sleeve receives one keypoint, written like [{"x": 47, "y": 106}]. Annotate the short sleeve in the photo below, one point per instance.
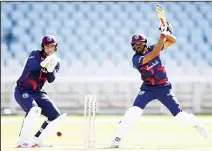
[
  {"x": 151, "y": 47},
  {"x": 137, "y": 60}
]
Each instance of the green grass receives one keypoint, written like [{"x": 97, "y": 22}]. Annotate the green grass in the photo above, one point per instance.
[{"x": 147, "y": 135}]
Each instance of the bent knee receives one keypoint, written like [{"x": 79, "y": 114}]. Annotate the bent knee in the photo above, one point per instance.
[{"x": 53, "y": 116}]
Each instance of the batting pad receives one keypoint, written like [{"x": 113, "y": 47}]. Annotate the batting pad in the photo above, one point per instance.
[
  {"x": 29, "y": 124},
  {"x": 187, "y": 119},
  {"x": 126, "y": 124},
  {"x": 52, "y": 126}
]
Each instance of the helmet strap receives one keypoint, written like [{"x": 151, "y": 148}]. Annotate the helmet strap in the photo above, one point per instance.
[{"x": 145, "y": 46}]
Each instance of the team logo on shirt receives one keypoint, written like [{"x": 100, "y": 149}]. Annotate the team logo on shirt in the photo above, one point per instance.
[
  {"x": 25, "y": 95},
  {"x": 153, "y": 64}
]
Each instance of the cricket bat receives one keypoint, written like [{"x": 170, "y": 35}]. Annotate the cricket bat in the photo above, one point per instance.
[{"x": 161, "y": 15}]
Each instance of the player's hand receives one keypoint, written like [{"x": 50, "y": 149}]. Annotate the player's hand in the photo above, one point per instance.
[
  {"x": 47, "y": 61},
  {"x": 52, "y": 64},
  {"x": 170, "y": 28},
  {"x": 165, "y": 31}
]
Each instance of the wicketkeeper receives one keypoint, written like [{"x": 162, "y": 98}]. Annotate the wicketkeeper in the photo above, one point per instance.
[{"x": 41, "y": 66}]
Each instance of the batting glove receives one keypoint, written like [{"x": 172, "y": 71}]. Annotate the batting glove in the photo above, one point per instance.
[
  {"x": 165, "y": 31},
  {"x": 170, "y": 28}
]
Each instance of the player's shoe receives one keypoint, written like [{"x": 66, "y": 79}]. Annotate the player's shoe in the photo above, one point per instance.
[
  {"x": 26, "y": 145},
  {"x": 40, "y": 143},
  {"x": 202, "y": 130},
  {"x": 115, "y": 143}
]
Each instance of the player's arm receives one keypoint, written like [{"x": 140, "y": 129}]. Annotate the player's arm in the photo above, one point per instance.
[
  {"x": 156, "y": 50},
  {"x": 139, "y": 60},
  {"x": 32, "y": 62},
  {"x": 51, "y": 76},
  {"x": 170, "y": 40}
]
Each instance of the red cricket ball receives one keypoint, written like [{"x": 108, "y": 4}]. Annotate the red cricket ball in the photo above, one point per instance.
[{"x": 59, "y": 134}]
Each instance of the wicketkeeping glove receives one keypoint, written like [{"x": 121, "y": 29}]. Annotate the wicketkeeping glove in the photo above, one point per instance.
[
  {"x": 50, "y": 62},
  {"x": 46, "y": 62}
]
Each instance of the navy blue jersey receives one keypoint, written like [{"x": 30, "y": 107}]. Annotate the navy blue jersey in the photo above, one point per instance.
[
  {"x": 33, "y": 76},
  {"x": 153, "y": 73}
]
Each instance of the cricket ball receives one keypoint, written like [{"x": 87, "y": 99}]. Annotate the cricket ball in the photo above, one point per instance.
[{"x": 59, "y": 134}]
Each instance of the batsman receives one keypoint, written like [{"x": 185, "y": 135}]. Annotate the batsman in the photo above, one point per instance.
[
  {"x": 147, "y": 62},
  {"x": 42, "y": 65}
]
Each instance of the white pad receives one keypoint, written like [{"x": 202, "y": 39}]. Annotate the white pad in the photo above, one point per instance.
[
  {"x": 131, "y": 115},
  {"x": 29, "y": 124},
  {"x": 187, "y": 119},
  {"x": 52, "y": 126},
  {"x": 191, "y": 120}
]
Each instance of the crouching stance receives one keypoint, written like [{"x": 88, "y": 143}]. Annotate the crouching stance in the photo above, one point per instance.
[
  {"x": 41, "y": 66},
  {"x": 155, "y": 85}
]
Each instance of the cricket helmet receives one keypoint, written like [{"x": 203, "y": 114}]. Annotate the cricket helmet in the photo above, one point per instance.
[
  {"x": 138, "y": 37},
  {"x": 49, "y": 40}
]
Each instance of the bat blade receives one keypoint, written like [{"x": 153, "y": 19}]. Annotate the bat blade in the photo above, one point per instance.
[{"x": 161, "y": 15}]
